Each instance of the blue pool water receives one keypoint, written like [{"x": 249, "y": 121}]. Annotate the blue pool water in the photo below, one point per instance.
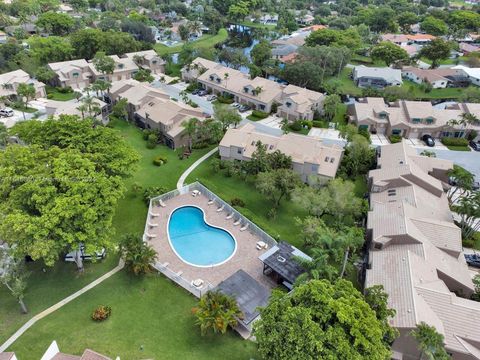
[{"x": 195, "y": 241}]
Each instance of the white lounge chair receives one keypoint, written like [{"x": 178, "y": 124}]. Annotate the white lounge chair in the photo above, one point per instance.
[
  {"x": 261, "y": 245},
  {"x": 162, "y": 204},
  {"x": 198, "y": 283},
  {"x": 211, "y": 201},
  {"x": 221, "y": 208},
  {"x": 245, "y": 227},
  {"x": 195, "y": 193},
  {"x": 152, "y": 214},
  {"x": 179, "y": 274},
  {"x": 150, "y": 236},
  {"x": 152, "y": 225},
  {"x": 229, "y": 216},
  {"x": 237, "y": 222}
]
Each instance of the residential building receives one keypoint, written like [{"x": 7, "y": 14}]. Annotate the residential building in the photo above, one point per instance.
[
  {"x": 411, "y": 43},
  {"x": 411, "y": 119},
  {"x": 415, "y": 253},
  {"x": 311, "y": 159},
  {"x": 268, "y": 19},
  {"x": 125, "y": 68},
  {"x": 168, "y": 117},
  {"x": 8, "y": 356},
  {"x": 53, "y": 353},
  {"x": 148, "y": 59},
  {"x": 76, "y": 74},
  {"x": 473, "y": 74},
  {"x": 467, "y": 48},
  {"x": 282, "y": 51},
  {"x": 259, "y": 93},
  {"x": 10, "y": 81},
  {"x": 376, "y": 77},
  {"x": 439, "y": 78}
]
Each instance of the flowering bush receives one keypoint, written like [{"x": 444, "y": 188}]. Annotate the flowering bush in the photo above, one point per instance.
[{"x": 102, "y": 313}]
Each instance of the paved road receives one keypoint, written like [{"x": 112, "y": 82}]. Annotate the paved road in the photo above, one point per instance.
[
  {"x": 470, "y": 160},
  {"x": 174, "y": 92}
]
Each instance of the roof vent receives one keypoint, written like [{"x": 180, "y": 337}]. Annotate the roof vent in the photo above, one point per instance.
[{"x": 281, "y": 259}]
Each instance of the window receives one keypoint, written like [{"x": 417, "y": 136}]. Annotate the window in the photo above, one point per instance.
[
  {"x": 429, "y": 120},
  {"x": 154, "y": 62},
  {"x": 416, "y": 120},
  {"x": 120, "y": 66},
  {"x": 327, "y": 159},
  {"x": 378, "y": 246},
  {"x": 288, "y": 104},
  {"x": 396, "y": 131},
  {"x": 382, "y": 115},
  {"x": 75, "y": 74},
  {"x": 458, "y": 134},
  {"x": 332, "y": 160},
  {"x": 245, "y": 89},
  {"x": 445, "y": 133},
  {"x": 218, "y": 80},
  {"x": 239, "y": 151},
  {"x": 262, "y": 107},
  {"x": 392, "y": 192},
  {"x": 315, "y": 168},
  {"x": 270, "y": 147},
  {"x": 211, "y": 77}
]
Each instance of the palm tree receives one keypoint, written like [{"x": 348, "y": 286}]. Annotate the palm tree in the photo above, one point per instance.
[
  {"x": 195, "y": 27},
  {"x": 90, "y": 106},
  {"x": 465, "y": 119},
  {"x": 216, "y": 311},
  {"x": 258, "y": 90},
  {"x": 317, "y": 268},
  {"x": 430, "y": 342},
  {"x": 191, "y": 127},
  {"x": 138, "y": 256},
  {"x": 26, "y": 92}
]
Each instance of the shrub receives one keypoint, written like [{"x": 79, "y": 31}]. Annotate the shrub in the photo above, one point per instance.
[
  {"x": 272, "y": 213},
  {"x": 50, "y": 96},
  {"x": 274, "y": 108},
  {"x": 307, "y": 123},
  {"x": 192, "y": 86},
  {"x": 296, "y": 126},
  {"x": 395, "y": 138},
  {"x": 259, "y": 114},
  {"x": 224, "y": 100},
  {"x": 472, "y": 135},
  {"x": 320, "y": 124},
  {"x": 174, "y": 81},
  {"x": 160, "y": 160},
  {"x": 193, "y": 104},
  {"x": 151, "y": 192},
  {"x": 152, "y": 141},
  {"x": 237, "y": 202},
  {"x": 447, "y": 141},
  {"x": 364, "y": 132},
  {"x": 102, "y": 313}
]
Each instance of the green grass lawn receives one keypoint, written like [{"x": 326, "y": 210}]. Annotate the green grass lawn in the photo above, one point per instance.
[
  {"x": 255, "y": 25},
  {"x": 446, "y": 61},
  {"x": 256, "y": 207},
  {"x": 54, "y": 94},
  {"x": 206, "y": 41},
  {"x": 148, "y": 313},
  {"x": 254, "y": 118},
  {"x": 22, "y": 108}
]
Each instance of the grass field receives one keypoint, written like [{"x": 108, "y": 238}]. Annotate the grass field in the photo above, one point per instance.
[
  {"x": 255, "y": 25},
  {"x": 151, "y": 319},
  {"x": 206, "y": 41},
  {"x": 54, "y": 94},
  {"x": 458, "y": 148}
]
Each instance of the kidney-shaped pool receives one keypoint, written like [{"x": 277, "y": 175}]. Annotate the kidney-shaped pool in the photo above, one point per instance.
[{"x": 195, "y": 241}]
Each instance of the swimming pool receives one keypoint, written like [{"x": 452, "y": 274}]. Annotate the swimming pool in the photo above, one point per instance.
[{"x": 195, "y": 241}]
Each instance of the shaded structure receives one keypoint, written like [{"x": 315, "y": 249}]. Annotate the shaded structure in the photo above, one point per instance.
[
  {"x": 249, "y": 294},
  {"x": 279, "y": 263}
]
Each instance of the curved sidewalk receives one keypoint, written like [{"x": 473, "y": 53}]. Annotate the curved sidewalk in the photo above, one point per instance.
[
  {"x": 192, "y": 167},
  {"x": 58, "y": 305}
]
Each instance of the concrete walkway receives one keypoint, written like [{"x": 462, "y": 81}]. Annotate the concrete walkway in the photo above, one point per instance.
[
  {"x": 193, "y": 166},
  {"x": 58, "y": 305}
]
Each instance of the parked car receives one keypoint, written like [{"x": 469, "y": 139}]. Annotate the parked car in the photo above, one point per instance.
[
  {"x": 244, "y": 108},
  {"x": 211, "y": 97},
  {"x": 6, "y": 112},
  {"x": 428, "y": 140},
  {"x": 98, "y": 255},
  {"x": 473, "y": 260},
  {"x": 475, "y": 145},
  {"x": 235, "y": 105},
  {"x": 202, "y": 93},
  {"x": 196, "y": 91}
]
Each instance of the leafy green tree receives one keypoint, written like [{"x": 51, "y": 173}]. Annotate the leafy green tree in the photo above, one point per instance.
[
  {"x": 87, "y": 42},
  {"x": 438, "y": 49},
  {"x": 234, "y": 58},
  {"x": 184, "y": 32},
  {"x": 56, "y": 23},
  {"x": 464, "y": 19},
  {"x": 277, "y": 184},
  {"x": 216, "y": 311},
  {"x": 430, "y": 342},
  {"x": 320, "y": 320},
  {"x": 330, "y": 106},
  {"x": 334, "y": 200},
  {"x": 89, "y": 106},
  {"x": 3, "y": 135},
  {"x": 104, "y": 64},
  {"x": 144, "y": 75},
  {"x": 379, "y": 19},
  {"x": 464, "y": 180},
  {"x": 407, "y": 19},
  {"x": 358, "y": 158},
  {"x": 191, "y": 127},
  {"x": 476, "y": 284},
  {"x": 119, "y": 110},
  {"x": 13, "y": 276},
  {"x": 138, "y": 255},
  {"x": 337, "y": 38},
  {"x": 377, "y": 298},
  {"x": 470, "y": 94},
  {"x": 26, "y": 92},
  {"x": 226, "y": 115},
  {"x": 44, "y": 74},
  {"x": 389, "y": 53},
  {"x": 50, "y": 49},
  {"x": 239, "y": 10},
  {"x": 261, "y": 53},
  {"x": 434, "y": 26}
]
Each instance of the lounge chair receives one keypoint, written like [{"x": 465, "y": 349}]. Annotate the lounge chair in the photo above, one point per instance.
[
  {"x": 152, "y": 214},
  {"x": 237, "y": 222},
  {"x": 229, "y": 216},
  {"x": 261, "y": 245},
  {"x": 163, "y": 266},
  {"x": 195, "y": 193},
  {"x": 152, "y": 225},
  {"x": 245, "y": 227},
  {"x": 198, "y": 283},
  {"x": 221, "y": 208},
  {"x": 211, "y": 201},
  {"x": 162, "y": 204},
  {"x": 150, "y": 235},
  {"x": 179, "y": 274}
]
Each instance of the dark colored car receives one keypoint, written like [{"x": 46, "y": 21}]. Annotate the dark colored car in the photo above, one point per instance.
[
  {"x": 202, "y": 93},
  {"x": 244, "y": 108},
  {"x": 473, "y": 260},
  {"x": 428, "y": 140},
  {"x": 475, "y": 145},
  {"x": 196, "y": 91}
]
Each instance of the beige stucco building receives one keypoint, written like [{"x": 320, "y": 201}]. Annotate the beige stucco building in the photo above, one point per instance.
[
  {"x": 415, "y": 252},
  {"x": 293, "y": 102},
  {"x": 311, "y": 159},
  {"x": 411, "y": 119},
  {"x": 76, "y": 74},
  {"x": 10, "y": 81}
]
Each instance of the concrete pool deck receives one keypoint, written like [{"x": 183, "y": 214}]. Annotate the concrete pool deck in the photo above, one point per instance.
[{"x": 245, "y": 257}]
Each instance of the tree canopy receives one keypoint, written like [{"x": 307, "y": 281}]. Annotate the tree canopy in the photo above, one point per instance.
[{"x": 321, "y": 320}]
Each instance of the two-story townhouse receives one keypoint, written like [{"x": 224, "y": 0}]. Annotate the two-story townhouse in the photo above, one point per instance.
[
  {"x": 125, "y": 68},
  {"x": 76, "y": 74},
  {"x": 313, "y": 160},
  {"x": 300, "y": 103},
  {"x": 148, "y": 59},
  {"x": 412, "y": 119},
  {"x": 10, "y": 81}
]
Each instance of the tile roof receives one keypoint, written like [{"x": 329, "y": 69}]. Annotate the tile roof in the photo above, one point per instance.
[{"x": 389, "y": 74}]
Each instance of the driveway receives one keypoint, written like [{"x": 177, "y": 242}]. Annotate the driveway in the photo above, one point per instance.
[
  {"x": 419, "y": 144},
  {"x": 328, "y": 136},
  {"x": 470, "y": 160},
  {"x": 174, "y": 92},
  {"x": 272, "y": 121}
]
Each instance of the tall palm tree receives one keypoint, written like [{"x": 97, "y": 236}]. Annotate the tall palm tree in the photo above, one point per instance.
[
  {"x": 90, "y": 106},
  {"x": 191, "y": 127},
  {"x": 216, "y": 311},
  {"x": 195, "y": 27},
  {"x": 430, "y": 342}
]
